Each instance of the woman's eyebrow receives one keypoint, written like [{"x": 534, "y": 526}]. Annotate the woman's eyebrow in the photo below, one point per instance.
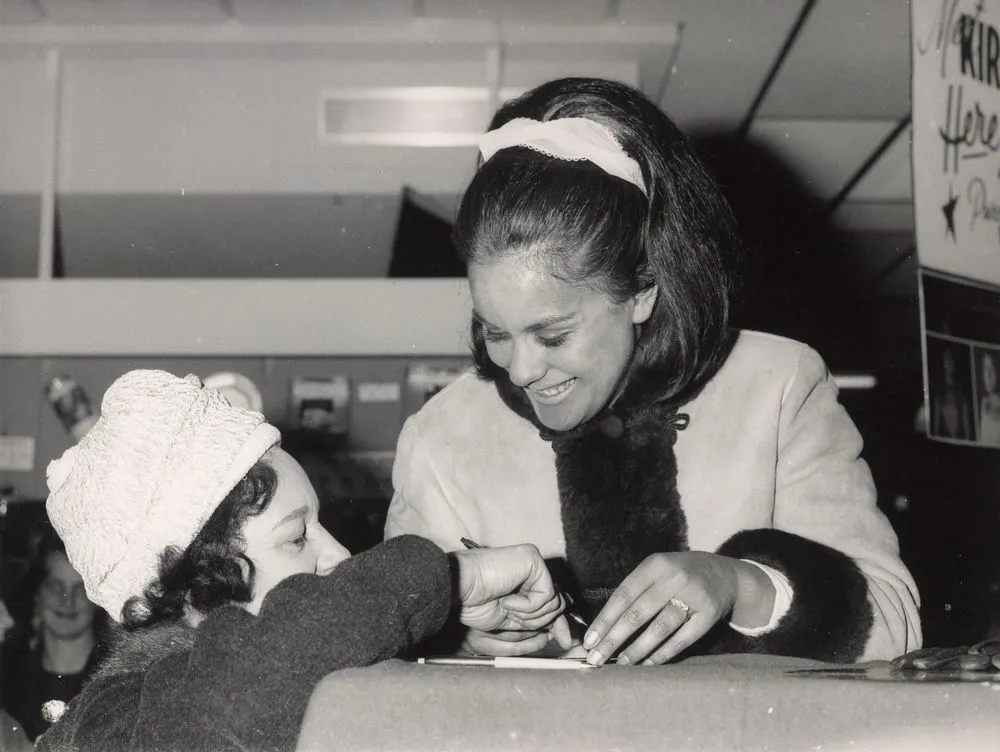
[
  {"x": 299, "y": 513},
  {"x": 531, "y": 328}
]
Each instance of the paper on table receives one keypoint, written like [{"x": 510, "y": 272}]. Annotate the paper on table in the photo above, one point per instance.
[{"x": 520, "y": 661}]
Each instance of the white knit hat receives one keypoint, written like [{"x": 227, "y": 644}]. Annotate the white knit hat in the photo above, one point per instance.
[{"x": 163, "y": 455}]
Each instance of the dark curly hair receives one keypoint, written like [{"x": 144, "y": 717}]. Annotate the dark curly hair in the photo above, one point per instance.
[{"x": 213, "y": 570}]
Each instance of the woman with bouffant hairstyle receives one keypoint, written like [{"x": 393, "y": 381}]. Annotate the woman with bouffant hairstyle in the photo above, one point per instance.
[{"x": 701, "y": 486}]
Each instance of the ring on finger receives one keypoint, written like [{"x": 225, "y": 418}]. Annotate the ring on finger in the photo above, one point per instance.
[{"x": 681, "y": 606}]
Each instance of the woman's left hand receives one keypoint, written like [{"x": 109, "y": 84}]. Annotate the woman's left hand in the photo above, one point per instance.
[{"x": 670, "y": 600}]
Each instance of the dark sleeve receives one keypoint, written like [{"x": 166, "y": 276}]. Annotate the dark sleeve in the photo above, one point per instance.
[
  {"x": 101, "y": 717},
  {"x": 258, "y": 673},
  {"x": 830, "y": 616}
]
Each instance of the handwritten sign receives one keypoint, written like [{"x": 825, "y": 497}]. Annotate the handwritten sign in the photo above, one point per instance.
[
  {"x": 956, "y": 190},
  {"x": 956, "y": 136}
]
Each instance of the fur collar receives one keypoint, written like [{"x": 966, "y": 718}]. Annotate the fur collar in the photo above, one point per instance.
[
  {"x": 137, "y": 650},
  {"x": 617, "y": 479}
]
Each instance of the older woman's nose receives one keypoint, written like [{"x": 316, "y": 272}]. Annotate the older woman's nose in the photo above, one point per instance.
[{"x": 331, "y": 553}]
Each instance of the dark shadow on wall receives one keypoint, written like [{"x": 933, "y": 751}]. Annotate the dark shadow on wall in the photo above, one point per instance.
[{"x": 799, "y": 281}]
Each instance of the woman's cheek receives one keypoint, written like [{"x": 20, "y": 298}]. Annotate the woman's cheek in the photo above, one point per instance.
[{"x": 499, "y": 354}]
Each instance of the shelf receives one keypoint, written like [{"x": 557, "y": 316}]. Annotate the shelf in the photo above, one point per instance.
[{"x": 234, "y": 317}]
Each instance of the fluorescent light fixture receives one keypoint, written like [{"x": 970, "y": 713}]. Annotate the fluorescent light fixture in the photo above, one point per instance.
[
  {"x": 855, "y": 380},
  {"x": 407, "y": 115}
]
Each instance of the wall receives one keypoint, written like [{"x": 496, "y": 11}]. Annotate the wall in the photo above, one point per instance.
[{"x": 373, "y": 426}]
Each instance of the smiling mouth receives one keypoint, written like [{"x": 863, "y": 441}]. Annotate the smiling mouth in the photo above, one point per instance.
[{"x": 553, "y": 394}]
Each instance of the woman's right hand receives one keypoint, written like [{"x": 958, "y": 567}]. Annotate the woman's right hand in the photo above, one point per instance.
[{"x": 508, "y": 601}]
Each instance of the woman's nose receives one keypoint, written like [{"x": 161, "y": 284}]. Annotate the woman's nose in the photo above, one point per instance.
[
  {"x": 331, "y": 553},
  {"x": 526, "y": 365}
]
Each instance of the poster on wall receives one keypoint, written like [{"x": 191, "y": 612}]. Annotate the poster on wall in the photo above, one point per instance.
[
  {"x": 956, "y": 194},
  {"x": 424, "y": 380},
  {"x": 320, "y": 404}
]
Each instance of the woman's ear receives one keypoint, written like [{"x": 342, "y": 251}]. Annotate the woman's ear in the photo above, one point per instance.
[{"x": 642, "y": 304}]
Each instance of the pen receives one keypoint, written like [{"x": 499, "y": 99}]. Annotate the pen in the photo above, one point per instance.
[
  {"x": 570, "y": 614},
  {"x": 508, "y": 662}
]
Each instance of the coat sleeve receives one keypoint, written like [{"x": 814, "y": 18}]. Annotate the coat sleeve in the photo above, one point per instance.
[
  {"x": 425, "y": 501},
  {"x": 259, "y": 673},
  {"x": 247, "y": 680},
  {"x": 853, "y": 598}
]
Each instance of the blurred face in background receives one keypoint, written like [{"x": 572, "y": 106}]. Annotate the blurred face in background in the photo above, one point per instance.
[
  {"x": 989, "y": 375},
  {"x": 6, "y": 620},
  {"x": 63, "y": 607},
  {"x": 948, "y": 365}
]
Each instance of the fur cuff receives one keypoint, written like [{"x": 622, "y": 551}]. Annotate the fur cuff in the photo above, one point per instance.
[{"x": 830, "y": 618}]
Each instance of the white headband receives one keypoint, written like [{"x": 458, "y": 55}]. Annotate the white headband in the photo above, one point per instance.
[{"x": 574, "y": 139}]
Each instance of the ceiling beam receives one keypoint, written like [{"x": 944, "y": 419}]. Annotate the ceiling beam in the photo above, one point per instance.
[{"x": 786, "y": 47}]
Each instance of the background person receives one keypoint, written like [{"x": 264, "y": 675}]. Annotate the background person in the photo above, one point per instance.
[
  {"x": 195, "y": 530},
  {"x": 689, "y": 475},
  {"x": 59, "y": 647}
]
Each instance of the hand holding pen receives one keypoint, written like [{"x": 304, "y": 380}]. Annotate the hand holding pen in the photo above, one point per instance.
[
  {"x": 507, "y": 594},
  {"x": 527, "y": 620}
]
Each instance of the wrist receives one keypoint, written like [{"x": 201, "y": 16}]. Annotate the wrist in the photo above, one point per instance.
[{"x": 755, "y": 593}]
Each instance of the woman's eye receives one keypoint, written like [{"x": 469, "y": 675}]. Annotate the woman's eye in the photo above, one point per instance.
[
  {"x": 556, "y": 341},
  {"x": 491, "y": 336},
  {"x": 300, "y": 540}
]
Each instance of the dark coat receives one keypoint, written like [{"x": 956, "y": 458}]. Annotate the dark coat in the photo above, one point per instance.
[{"x": 242, "y": 682}]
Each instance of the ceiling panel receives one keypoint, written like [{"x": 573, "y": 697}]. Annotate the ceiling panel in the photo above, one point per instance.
[
  {"x": 851, "y": 58},
  {"x": 133, "y": 11},
  {"x": 725, "y": 52},
  {"x": 827, "y": 153},
  {"x": 19, "y": 11},
  {"x": 844, "y": 84},
  {"x": 575, "y": 11},
  {"x": 319, "y": 11}
]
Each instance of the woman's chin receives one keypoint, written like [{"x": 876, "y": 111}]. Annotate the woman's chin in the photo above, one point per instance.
[{"x": 556, "y": 420}]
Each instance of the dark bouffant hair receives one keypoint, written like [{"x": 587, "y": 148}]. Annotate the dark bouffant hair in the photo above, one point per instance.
[
  {"x": 213, "y": 570},
  {"x": 574, "y": 221}
]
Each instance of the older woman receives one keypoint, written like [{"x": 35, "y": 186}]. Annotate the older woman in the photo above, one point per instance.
[{"x": 195, "y": 530}]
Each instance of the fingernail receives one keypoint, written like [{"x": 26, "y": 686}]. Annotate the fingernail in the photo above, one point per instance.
[
  {"x": 623, "y": 660},
  {"x": 589, "y": 640},
  {"x": 594, "y": 658}
]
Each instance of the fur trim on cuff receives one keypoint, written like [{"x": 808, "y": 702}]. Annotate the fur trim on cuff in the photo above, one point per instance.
[{"x": 830, "y": 618}]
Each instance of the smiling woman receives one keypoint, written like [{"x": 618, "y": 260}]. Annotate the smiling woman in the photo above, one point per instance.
[
  {"x": 59, "y": 650},
  {"x": 701, "y": 487}
]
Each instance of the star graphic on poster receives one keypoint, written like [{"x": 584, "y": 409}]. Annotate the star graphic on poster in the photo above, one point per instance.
[{"x": 949, "y": 212}]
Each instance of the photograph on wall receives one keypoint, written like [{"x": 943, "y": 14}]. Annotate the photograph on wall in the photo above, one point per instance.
[
  {"x": 956, "y": 196},
  {"x": 961, "y": 336},
  {"x": 424, "y": 380},
  {"x": 320, "y": 405},
  {"x": 949, "y": 379},
  {"x": 987, "y": 361}
]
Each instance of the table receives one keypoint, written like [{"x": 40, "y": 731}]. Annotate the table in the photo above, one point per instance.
[{"x": 734, "y": 702}]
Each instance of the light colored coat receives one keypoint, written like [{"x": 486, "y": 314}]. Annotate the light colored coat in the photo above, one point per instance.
[{"x": 768, "y": 446}]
